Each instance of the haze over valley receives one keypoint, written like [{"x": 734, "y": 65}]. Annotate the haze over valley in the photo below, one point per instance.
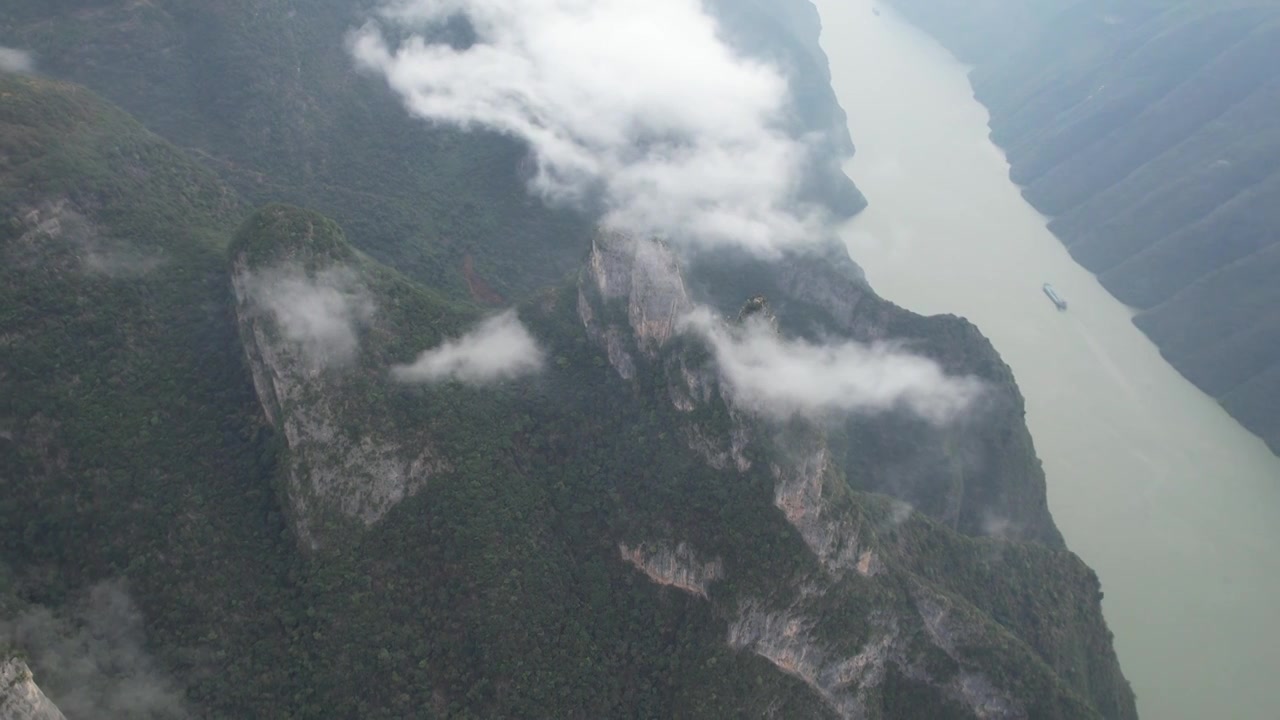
[
  {"x": 1147, "y": 476},
  {"x": 487, "y": 359}
]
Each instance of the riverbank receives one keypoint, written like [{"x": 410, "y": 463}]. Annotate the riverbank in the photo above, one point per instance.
[{"x": 1175, "y": 505}]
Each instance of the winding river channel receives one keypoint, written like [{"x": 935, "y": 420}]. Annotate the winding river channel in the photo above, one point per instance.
[{"x": 1174, "y": 504}]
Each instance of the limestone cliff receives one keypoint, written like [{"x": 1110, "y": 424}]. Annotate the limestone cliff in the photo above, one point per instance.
[
  {"x": 980, "y": 475},
  {"x": 303, "y": 306},
  {"x": 20, "y": 697},
  {"x": 865, "y": 622},
  {"x": 679, "y": 567}
]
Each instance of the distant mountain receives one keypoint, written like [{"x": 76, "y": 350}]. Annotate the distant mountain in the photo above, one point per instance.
[
  {"x": 265, "y": 92},
  {"x": 785, "y": 32},
  {"x": 1147, "y": 132},
  {"x": 295, "y": 472}
]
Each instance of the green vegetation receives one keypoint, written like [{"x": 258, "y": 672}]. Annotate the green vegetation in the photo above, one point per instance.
[
  {"x": 1147, "y": 131},
  {"x": 131, "y": 442},
  {"x": 996, "y": 476},
  {"x": 263, "y": 93},
  {"x": 134, "y": 444}
]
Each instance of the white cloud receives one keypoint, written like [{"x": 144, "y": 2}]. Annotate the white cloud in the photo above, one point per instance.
[
  {"x": 91, "y": 658},
  {"x": 15, "y": 61},
  {"x": 319, "y": 314},
  {"x": 782, "y": 378},
  {"x": 499, "y": 348},
  {"x": 639, "y": 105}
]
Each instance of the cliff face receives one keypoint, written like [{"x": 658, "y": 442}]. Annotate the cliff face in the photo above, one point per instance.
[
  {"x": 310, "y": 327},
  {"x": 978, "y": 474},
  {"x": 615, "y": 535},
  {"x": 1146, "y": 132},
  {"x": 860, "y": 552},
  {"x": 20, "y": 697}
]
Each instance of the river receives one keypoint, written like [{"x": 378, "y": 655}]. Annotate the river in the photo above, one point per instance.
[{"x": 1174, "y": 504}]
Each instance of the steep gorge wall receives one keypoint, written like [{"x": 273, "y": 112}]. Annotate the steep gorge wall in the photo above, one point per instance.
[
  {"x": 913, "y": 626},
  {"x": 1147, "y": 133},
  {"x": 499, "y": 588},
  {"x": 785, "y": 33}
]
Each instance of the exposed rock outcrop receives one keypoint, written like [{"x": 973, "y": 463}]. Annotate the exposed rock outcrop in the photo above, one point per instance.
[
  {"x": 865, "y": 555},
  {"x": 301, "y": 317},
  {"x": 786, "y": 639},
  {"x": 645, "y": 274},
  {"x": 678, "y": 567},
  {"x": 801, "y": 484},
  {"x": 20, "y": 697}
]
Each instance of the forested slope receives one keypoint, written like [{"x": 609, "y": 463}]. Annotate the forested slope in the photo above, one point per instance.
[
  {"x": 214, "y": 464},
  {"x": 265, "y": 92},
  {"x": 1147, "y": 132}
]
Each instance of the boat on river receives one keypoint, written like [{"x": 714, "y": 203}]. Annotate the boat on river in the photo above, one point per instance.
[{"x": 1055, "y": 297}]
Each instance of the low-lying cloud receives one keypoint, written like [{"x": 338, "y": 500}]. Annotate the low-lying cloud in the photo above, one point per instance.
[
  {"x": 91, "y": 661},
  {"x": 58, "y": 236},
  {"x": 638, "y": 106},
  {"x": 782, "y": 378},
  {"x": 499, "y": 348},
  {"x": 320, "y": 314},
  {"x": 13, "y": 60}
]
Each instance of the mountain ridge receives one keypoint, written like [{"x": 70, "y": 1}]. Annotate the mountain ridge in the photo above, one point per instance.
[
  {"x": 187, "y": 380},
  {"x": 1143, "y": 130}
]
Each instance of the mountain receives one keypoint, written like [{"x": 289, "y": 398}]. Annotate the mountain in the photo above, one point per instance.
[
  {"x": 131, "y": 443},
  {"x": 785, "y": 33},
  {"x": 244, "y": 472},
  {"x": 20, "y": 697},
  {"x": 1144, "y": 130},
  {"x": 265, "y": 92}
]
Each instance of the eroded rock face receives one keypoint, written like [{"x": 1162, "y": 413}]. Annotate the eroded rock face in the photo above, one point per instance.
[
  {"x": 678, "y": 567},
  {"x": 719, "y": 453},
  {"x": 356, "y": 470},
  {"x": 904, "y": 626},
  {"x": 643, "y": 274},
  {"x": 785, "y": 638},
  {"x": 610, "y": 337},
  {"x": 20, "y": 697},
  {"x": 973, "y": 689},
  {"x": 798, "y": 493}
]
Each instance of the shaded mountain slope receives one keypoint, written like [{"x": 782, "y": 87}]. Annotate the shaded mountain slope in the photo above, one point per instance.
[
  {"x": 977, "y": 473},
  {"x": 265, "y": 93},
  {"x": 1146, "y": 131},
  {"x": 786, "y": 34},
  {"x": 626, "y": 451},
  {"x": 130, "y": 444},
  {"x": 560, "y": 545}
]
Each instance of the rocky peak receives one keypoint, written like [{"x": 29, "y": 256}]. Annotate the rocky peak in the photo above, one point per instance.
[
  {"x": 757, "y": 309},
  {"x": 303, "y": 305},
  {"x": 918, "y": 633},
  {"x": 20, "y": 697},
  {"x": 645, "y": 273}
]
